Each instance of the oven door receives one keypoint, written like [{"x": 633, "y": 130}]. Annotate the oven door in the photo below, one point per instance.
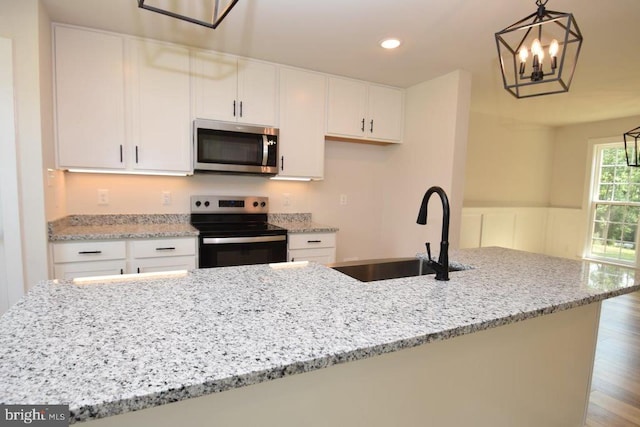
[{"x": 245, "y": 250}]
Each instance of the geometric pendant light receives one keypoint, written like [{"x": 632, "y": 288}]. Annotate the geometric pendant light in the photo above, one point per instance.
[
  {"x": 196, "y": 13},
  {"x": 631, "y": 147},
  {"x": 539, "y": 53}
]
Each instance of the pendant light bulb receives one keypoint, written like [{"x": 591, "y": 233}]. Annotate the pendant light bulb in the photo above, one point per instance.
[
  {"x": 524, "y": 54},
  {"x": 553, "y": 48},
  {"x": 536, "y": 48}
]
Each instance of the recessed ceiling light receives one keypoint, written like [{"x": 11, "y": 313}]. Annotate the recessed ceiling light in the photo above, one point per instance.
[{"x": 390, "y": 43}]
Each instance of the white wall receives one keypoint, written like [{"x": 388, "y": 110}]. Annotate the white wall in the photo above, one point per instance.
[
  {"x": 11, "y": 267},
  {"x": 434, "y": 153},
  {"x": 509, "y": 163},
  {"x": 22, "y": 22}
]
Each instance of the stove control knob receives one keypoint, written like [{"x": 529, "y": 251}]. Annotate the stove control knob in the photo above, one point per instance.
[
  {"x": 255, "y": 204},
  {"x": 206, "y": 203},
  {"x": 198, "y": 203},
  {"x": 263, "y": 204}
]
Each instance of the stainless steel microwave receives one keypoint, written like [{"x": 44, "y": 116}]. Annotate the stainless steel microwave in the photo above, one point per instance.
[{"x": 228, "y": 147}]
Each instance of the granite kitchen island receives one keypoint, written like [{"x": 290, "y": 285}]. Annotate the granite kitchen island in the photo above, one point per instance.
[{"x": 509, "y": 342}]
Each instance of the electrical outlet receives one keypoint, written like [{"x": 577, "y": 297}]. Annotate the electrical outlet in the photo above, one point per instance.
[
  {"x": 286, "y": 199},
  {"x": 103, "y": 197},
  {"x": 166, "y": 198},
  {"x": 343, "y": 199}
]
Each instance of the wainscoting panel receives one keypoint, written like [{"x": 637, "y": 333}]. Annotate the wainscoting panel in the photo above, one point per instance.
[{"x": 553, "y": 231}]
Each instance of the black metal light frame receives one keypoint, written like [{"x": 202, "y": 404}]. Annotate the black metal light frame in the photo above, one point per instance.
[
  {"x": 631, "y": 147},
  {"x": 217, "y": 18},
  {"x": 539, "y": 82}
]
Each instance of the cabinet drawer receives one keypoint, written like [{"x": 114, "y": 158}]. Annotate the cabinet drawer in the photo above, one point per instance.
[
  {"x": 312, "y": 240},
  {"x": 153, "y": 248},
  {"x": 88, "y": 251}
]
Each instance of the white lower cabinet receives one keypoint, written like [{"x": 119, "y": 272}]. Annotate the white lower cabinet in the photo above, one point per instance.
[
  {"x": 162, "y": 255},
  {"x": 100, "y": 258},
  {"x": 317, "y": 247}
]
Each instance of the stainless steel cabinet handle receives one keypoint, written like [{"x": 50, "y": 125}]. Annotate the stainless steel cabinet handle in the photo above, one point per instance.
[
  {"x": 166, "y": 249},
  {"x": 89, "y": 252},
  {"x": 228, "y": 240}
]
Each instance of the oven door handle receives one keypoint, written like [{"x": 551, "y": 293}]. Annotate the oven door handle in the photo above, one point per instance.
[
  {"x": 265, "y": 150},
  {"x": 228, "y": 240}
]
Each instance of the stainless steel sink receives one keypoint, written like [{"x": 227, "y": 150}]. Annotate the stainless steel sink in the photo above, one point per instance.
[{"x": 382, "y": 269}]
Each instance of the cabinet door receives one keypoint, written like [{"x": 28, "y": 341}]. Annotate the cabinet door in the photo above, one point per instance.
[
  {"x": 151, "y": 265},
  {"x": 161, "y": 113},
  {"x": 346, "y": 113},
  {"x": 385, "y": 111},
  {"x": 89, "y": 99},
  {"x": 256, "y": 93},
  {"x": 302, "y": 118},
  {"x": 215, "y": 86},
  {"x": 320, "y": 255},
  {"x": 89, "y": 269}
]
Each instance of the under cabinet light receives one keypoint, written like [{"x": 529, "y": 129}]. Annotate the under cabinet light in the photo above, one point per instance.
[
  {"x": 288, "y": 178},
  {"x": 130, "y": 277},
  {"x": 123, "y": 172}
]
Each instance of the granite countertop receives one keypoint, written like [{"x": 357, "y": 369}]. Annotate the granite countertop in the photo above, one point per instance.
[
  {"x": 133, "y": 226},
  {"x": 299, "y": 223},
  {"x": 143, "y": 226},
  {"x": 110, "y": 348}
]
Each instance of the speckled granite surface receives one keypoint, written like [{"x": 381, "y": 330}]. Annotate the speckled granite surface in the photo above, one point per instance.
[
  {"x": 106, "y": 349},
  {"x": 299, "y": 223},
  {"x": 129, "y": 226},
  {"x": 141, "y": 226}
]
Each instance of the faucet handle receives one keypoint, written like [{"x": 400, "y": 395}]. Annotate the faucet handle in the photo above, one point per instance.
[{"x": 428, "y": 245}]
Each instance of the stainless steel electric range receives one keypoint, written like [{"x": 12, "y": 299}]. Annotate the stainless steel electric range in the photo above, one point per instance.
[{"x": 234, "y": 231}]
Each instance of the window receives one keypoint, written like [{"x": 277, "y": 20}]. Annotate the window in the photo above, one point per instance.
[{"x": 615, "y": 207}]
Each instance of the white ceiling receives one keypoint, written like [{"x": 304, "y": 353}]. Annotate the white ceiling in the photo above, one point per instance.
[{"x": 439, "y": 36}]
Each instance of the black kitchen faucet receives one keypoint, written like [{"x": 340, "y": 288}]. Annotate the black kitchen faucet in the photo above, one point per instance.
[{"x": 442, "y": 265}]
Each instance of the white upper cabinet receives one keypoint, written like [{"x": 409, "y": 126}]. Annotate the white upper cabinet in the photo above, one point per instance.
[
  {"x": 89, "y": 99},
  {"x": 160, "y": 107},
  {"x": 364, "y": 111},
  {"x": 302, "y": 120},
  {"x": 234, "y": 90},
  {"x": 121, "y": 103}
]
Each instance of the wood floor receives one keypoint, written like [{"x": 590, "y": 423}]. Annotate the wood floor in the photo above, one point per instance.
[{"x": 615, "y": 387}]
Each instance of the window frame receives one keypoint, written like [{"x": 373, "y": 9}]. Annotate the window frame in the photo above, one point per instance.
[{"x": 594, "y": 201}]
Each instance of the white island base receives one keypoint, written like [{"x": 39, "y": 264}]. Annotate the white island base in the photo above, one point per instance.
[{"x": 534, "y": 373}]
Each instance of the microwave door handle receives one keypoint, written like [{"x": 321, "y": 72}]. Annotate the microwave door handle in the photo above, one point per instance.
[{"x": 265, "y": 150}]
